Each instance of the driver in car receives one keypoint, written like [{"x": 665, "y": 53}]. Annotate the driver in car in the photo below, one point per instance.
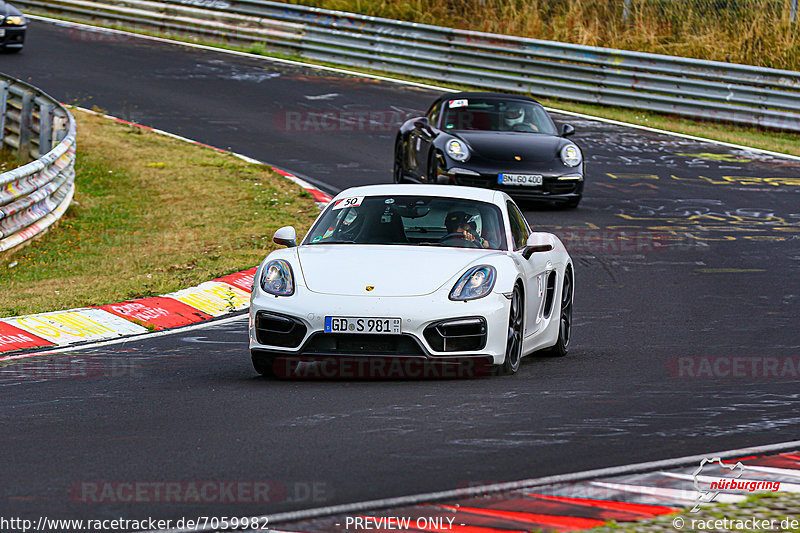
[
  {"x": 514, "y": 119},
  {"x": 460, "y": 222}
]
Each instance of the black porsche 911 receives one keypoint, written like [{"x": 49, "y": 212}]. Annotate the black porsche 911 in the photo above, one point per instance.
[
  {"x": 494, "y": 141},
  {"x": 12, "y": 28}
]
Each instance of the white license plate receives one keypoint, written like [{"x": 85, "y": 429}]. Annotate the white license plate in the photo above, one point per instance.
[
  {"x": 357, "y": 324},
  {"x": 520, "y": 179}
]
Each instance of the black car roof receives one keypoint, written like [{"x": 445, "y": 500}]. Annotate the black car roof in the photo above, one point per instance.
[{"x": 503, "y": 96}]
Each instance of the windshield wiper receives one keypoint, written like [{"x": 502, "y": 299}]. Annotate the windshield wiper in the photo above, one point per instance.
[{"x": 334, "y": 241}]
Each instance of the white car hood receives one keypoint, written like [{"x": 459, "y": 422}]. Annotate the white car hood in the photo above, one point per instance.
[{"x": 347, "y": 270}]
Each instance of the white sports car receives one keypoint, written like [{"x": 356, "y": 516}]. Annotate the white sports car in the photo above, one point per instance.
[{"x": 428, "y": 273}]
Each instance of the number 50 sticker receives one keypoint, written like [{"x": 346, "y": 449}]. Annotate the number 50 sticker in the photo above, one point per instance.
[{"x": 348, "y": 202}]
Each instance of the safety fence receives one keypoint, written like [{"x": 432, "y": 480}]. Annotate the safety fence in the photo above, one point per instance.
[
  {"x": 713, "y": 90},
  {"x": 34, "y": 196}
]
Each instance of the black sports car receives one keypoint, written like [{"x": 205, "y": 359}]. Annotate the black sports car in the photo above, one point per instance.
[
  {"x": 12, "y": 28},
  {"x": 495, "y": 141}
]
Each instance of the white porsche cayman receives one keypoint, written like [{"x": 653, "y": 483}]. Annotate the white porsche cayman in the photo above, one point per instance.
[{"x": 413, "y": 272}]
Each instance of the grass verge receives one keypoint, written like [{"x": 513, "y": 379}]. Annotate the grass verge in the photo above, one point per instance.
[
  {"x": 151, "y": 215},
  {"x": 8, "y": 161},
  {"x": 784, "y": 142}
]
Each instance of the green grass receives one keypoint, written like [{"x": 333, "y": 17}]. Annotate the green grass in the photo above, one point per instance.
[
  {"x": 8, "y": 161},
  {"x": 151, "y": 215}
]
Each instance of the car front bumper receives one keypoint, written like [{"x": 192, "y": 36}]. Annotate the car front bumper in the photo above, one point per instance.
[
  {"x": 560, "y": 187},
  {"x": 14, "y": 36},
  {"x": 295, "y": 326}
]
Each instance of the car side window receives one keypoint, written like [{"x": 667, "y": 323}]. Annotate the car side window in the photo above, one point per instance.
[
  {"x": 519, "y": 227},
  {"x": 433, "y": 115}
]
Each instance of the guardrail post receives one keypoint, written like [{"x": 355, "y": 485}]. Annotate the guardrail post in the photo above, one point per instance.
[
  {"x": 793, "y": 12},
  {"x": 3, "y": 103},
  {"x": 60, "y": 127},
  {"x": 25, "y": 127},
  {"x": 626, "y": 10},
  {"x": 45, "y": 128}
]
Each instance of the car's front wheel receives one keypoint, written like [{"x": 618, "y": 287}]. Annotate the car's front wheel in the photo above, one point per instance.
[
  {"x": 264, "y": 364},
  {"x": 513, "y": 335},
  {"x": 272, "y": 366}
]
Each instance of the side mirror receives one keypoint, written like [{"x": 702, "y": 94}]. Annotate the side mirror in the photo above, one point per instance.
[
  {"x": 424, "y": 124},
  {"x": 537, "y": 242},
  {"x": 567, "y": 130},
  {"x": 285, "y": 236}
]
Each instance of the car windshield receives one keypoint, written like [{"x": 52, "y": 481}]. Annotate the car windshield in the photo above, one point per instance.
[
  {"x": 410, "y": 220},
  {"x": 494, "y": 114}
]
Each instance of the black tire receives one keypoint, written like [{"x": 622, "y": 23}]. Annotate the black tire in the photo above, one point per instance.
[
  {"x": 264, "y": 364},
  {"x": 516, "y": 320},
  {"x": 572, "y": 203},
  {"x": 397, "y": 171},
  {"x": 433, "y": 169},
  {"x": 561, "y": 347}
]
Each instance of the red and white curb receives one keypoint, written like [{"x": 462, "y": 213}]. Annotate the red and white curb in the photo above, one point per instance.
[
  {"x": 208, "y": 300},
  {"x": 565, "y": 502},
  {"x": 574, "y": 506}
]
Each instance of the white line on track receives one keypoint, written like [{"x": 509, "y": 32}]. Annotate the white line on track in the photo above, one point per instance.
[
  {"x": 398, "y": 81},
  {"x": 130, "y": 338},
  {"x": 404, "y": 501}
]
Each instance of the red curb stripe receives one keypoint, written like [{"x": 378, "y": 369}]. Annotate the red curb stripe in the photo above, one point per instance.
[
  {"x": 563, "y": 523},
  {"x": 241, "y": 280},
  {"x": 13, "y": 338},
  {"x": 319, "y": 196},
  {"x": 633, "y": 508},
  {"x": 158, "y": 312}
]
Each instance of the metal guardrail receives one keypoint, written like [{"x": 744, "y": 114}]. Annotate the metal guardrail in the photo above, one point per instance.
[
  {"x": 736, "y": 93},
  {"x": 34, "y": 196}
]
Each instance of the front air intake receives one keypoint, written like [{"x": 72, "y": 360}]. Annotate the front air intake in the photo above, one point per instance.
[
  {"x": 273, "y": 329},
  {"x": 457, "y": 335}
]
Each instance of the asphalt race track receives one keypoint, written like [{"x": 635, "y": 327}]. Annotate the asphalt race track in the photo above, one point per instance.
[{"x": 686, "y": 341}]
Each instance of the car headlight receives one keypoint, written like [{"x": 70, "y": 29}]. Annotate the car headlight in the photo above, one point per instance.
[
  {"x": 457, "y": 150},
  {"x": 277, "y": 278},
  {"x": 476, "y": 283},
  {"x": 571, "y": 155},
  {"x": 15, "y": 21}
]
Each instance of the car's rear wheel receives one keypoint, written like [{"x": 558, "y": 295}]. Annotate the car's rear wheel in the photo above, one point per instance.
[
  {"x": 561, "y": 347},
  {"x": 513, "y": 335},
  {"x": 397, "y": 173}
]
